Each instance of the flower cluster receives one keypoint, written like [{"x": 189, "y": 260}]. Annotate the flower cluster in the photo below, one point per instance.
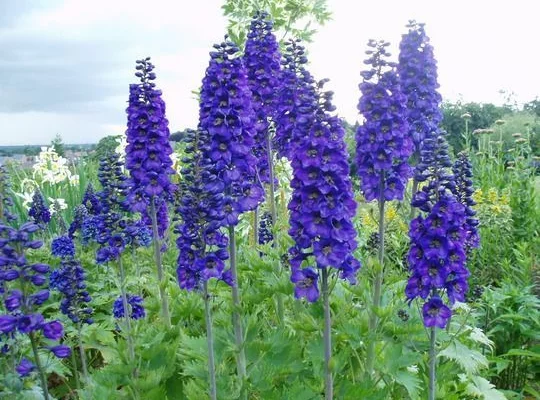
[
  {"x": 462, "y": 170},
  {"x": 417, "y": 71},
  {"x": 80, "y": 213},
  {"x": 322, "y": 204},
  {"x": 136, "y": 308},
  {"x": 202, "y": 247},
  {"x": 63, "y": 247},
  {"x": 53, "y": 168},
  {"x": 148, "y": 151},
  {"x": 297, "y": 100},
  {"x": 262, "y": 61},
  {"x": 437, "y": 259},
  {"x": 227, "y": 116},
  {"x": 38, "y": 211},
  {"x": 5, "y": 199},
  {"x": 21, "y": 284},
  {"x": 69, "y": 280},
  {"x": 382, "y": 144},
  {"x": 265, "y": 226},
  {"x": 91, "y": 200}
]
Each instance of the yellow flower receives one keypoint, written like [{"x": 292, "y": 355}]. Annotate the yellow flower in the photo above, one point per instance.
[
  {"x": 391, "y": 213},
  {"x": 495, "y": 209},
  {"x": 478, "y": 196},
  {"x": 492, "y": 195}
]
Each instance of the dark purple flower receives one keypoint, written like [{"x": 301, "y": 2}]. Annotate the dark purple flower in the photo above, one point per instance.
[
  {"x": 63, "y": 247},
  {"x": 39, "y": 211},
  {"x": 53, "y": 330},
  {"x": 91, "y": 201},
  {"x": 60, "y": 351},
  {"x": 135, "y": 304},
  {"x": 8, "y": 323},
  {"x": 25, "y": 367},
  {"x": 383, "y": 146},
  {"x": 14, "y": 300},
  {"x": 306, "y": 283},
  {"x": 436, "y": 313},
  {"x": 29, "y": 323},
  {"x": 262, "y": 61}
]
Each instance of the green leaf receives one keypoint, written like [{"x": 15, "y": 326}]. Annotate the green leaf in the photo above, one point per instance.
[
  {"x": 410, "y": 381},
  {"x": 470, "y": 360},
  {"x": 481, "y": 388},
  {"x": 524, "y": 353}
]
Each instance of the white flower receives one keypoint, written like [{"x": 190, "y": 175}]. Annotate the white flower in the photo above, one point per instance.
[
  {"x": 121, "y": 148},
  {"x": 56, "y": 205},
  {"x": 27, "y": 199},
  {"x": 74, "y": 180}
]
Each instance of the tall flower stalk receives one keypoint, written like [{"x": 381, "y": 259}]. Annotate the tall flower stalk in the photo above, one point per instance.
[
  {"x": 149, "y": 163},
  {"x": 227, "y": 117},
  {"x": 437, "y": 255},
  {"x": 321, "y": 209},
  {"x": 383, "y": 149},
  {"x": 417, "y": 69}
]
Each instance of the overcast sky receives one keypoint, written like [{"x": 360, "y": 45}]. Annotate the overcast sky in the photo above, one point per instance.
[{"x": 65, "y": 66}]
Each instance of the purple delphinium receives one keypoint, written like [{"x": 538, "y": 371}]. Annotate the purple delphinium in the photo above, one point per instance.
[
  {"x": 135, "y": 304},
  {"x": 262, "y": 61},
  {"x": 265, "y": 225},
  {"x": 417, "y": 69},
  {"x": 383, "y": 146},
  {"x": 38, "y": 212},
  {"x": 63, "y": 247},
  {"x": 297, "y": 99},
  {"x": 25, "y": 368},
  {"x": 437, "y": 254},
  {"x": 462, "y": 170},
  {"x": 148, "y": 151},
  {"x": 69, "y": 280},
  {"x": 6, "y": 202},
  {"x": 322, "y": 204},
  {"x": 79, "y": 215},
  {"x": 91, "y": 200},
  {"x": 22, "y": 286},
  {"x": 227, "y": 116},
  {"x": 201, "y": 244}
]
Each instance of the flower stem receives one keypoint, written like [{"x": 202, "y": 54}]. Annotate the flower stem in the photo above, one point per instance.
[
  {"x": 82, "y": 353},
  {"x": 75, "y": 371},
  {"x": 432, "y": 362},
  {"x": 377, "y": 288},
  {"x": 157, "y": 256},
  {"x": 413, "y": 192},
  {"x": 131, "y": 348},
  {"x": 210, "y": 343},
  {"x": 328, "y": 381},
  {"x": 256, "y": 226},
  {"x": 237, "y": 321},
  {"x": 41, "y": 372}
]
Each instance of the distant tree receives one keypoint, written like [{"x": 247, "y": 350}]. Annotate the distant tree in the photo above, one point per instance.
[
  {"x": 178, "y": 136},
  {"x": 481, "y": 116},
  {"x": 58, "y": 145},
  {"x": 31, "y": 150},
  {"x": 105, "y": 146},
  {"x": 533, "y": 107},
  {"x": 292, "y": 18}
]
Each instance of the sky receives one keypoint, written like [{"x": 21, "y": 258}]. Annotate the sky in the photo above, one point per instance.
[{"x": 66, "y": 65}]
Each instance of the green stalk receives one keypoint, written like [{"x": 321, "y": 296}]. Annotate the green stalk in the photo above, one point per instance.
[
  {"x": 237, "y": 321},
  {"x": 157, "y": 256},
  {"x": 131, "y": 348},
  {"x": 327, "y": 337},
  {"x": 256, "y": 226},
  {"x": 84, "y": 364},
  {"x": 432, "y": 363},
  {"x": 373, "y": 320},
  {"x": 75, "y": 371},
  {"x": 41, "y": 372},
  {"x": 210, "y": 343},
  {"x": 414, "y": 190}
]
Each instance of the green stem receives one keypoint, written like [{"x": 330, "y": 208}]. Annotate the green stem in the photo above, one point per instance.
[
  {"x": 157, "y": 256},
  {"x": 131, "y": 348},
  {"x": 210, "y": 343},
  {"x": 432, "y": 364},
  {"x": 256, "y": 227},
  {"x": 237, "y": 321},
  {"x": 414, "y": 190},
  {"x": 84, "y": 364},
  {"x": 75, "y": 371},
  {"x": 328, "y": 381},
  {"x": 41, "y": 372},
  {"x": 373, "y": 320}
]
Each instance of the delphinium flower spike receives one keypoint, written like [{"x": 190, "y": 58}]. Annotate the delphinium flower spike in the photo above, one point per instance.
[
  {"x": 148, "y": 159},
  {"x": 383, "y": 148},
  {"x": 39, "y": 212},
  {"x": 417, "y": 69},
  {"x": 437, "y": 254},
  {"x": 321, "y": 211},
  {"x": 23, "y": 290},
  {"x": 262, "y": 61},
  {"x": 227, "y": 116}
]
